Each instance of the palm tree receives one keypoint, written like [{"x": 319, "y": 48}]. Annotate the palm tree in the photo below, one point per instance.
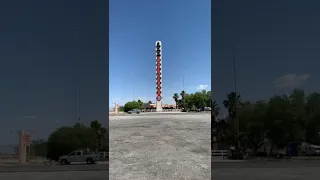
[
  {"x": 176, "y": 99},
  {"x": 140, "y": 103},
  {"x": 100, "y": 132},
  {"x": 232, "y": 104},
  {"x": 214, "y": 123},
  {"x": 214, "y": 109},
  {"x": 183, "y": 94}
]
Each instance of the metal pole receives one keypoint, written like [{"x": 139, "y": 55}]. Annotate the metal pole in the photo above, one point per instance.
[
  {"x": 78, "y": 119},
  {"x": 235, "y": 84},
  {"x": 133, "y": 88},
  {"x": 182, "y": 82},
  {"x": 133, "y": 91},
  {"x": 77, "y": 86}
]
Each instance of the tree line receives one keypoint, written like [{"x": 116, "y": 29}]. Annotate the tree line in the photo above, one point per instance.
[
  {"x": 66, "y": 139},
  {"x": 278, "y": 121},
  {"x": 192, "y": 101},
  {"x": 183, "y": 100}
]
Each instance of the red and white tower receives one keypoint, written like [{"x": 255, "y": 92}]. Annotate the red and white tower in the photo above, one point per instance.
[{"x": 158, "y": 76}]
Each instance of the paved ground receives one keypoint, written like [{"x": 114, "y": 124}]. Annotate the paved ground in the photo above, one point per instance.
[
  {"x": 266, "y": 170},
  {"x": 49, "y": 168},
  {"x": 160, "y": 146},
  {"x": 60, "y": 175}
]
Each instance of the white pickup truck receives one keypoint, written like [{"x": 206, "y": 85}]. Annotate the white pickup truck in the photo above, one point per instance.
[{"x": 79, "y": 157}]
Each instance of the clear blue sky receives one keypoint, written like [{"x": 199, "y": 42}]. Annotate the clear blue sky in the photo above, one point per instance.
[{"x": 184, "y": 29}]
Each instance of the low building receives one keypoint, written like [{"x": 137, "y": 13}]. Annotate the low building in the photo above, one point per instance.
[{"x": 164, "y": 106}]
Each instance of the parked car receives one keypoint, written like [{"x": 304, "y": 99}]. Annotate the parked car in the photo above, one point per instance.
[
  {"x": 134, "y": 111},
  {"x": 79, "y": 156},
  {"x": 309, "y": 149}
]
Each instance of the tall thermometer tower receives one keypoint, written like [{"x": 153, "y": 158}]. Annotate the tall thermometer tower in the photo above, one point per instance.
[{"x": 158, "y": 76}]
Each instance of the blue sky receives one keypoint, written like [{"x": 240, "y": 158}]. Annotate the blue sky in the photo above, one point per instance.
[
  {"x": 277, "y": 47},
  {"x": 184, "y": 29},
  {"x": 40, "y": 55}
]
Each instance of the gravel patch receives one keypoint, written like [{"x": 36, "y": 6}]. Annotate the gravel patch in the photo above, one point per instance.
[{"x": 160, "y": 146}]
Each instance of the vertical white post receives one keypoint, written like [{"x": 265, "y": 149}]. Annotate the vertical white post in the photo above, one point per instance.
[
  {"x": 22, "y": 148},
  {"x": 116, "y": 108}
]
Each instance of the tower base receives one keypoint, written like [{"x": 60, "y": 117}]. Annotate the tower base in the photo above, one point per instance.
[{"x": 158, "y": 106}]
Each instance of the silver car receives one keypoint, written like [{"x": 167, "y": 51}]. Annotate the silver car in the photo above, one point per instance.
[{"x": 134, "y": 111}]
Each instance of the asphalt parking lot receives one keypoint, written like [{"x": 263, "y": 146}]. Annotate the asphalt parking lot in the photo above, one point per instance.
[{"x": 160, "y": 146}]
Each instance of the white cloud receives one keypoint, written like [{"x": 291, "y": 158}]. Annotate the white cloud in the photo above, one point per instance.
[
  {"x": 202, "y": 87},
  {"x": 291, "y": 80}
]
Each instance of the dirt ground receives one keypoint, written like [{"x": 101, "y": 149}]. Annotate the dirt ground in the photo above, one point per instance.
[{"x": 160, "y": 147}]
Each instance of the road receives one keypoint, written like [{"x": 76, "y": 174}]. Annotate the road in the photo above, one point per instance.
[
  {"x": 60, "y": 175},
  {"x": 51, "y": 168},
  {"x": 164, "y": 146},
  {"x": 53, "y": 172},
  {"x": 266, "y": 170}
]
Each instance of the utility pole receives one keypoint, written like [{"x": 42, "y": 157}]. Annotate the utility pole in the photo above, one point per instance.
[
  {"x": 78, "y": 118},
  {"x": 235, "y": 84},
  {"x": 77, "y": 81},
  {"x": 133, "y": 87},
  {"x": 133, "y": 92},
  {"x": 183, "y": 82}
]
